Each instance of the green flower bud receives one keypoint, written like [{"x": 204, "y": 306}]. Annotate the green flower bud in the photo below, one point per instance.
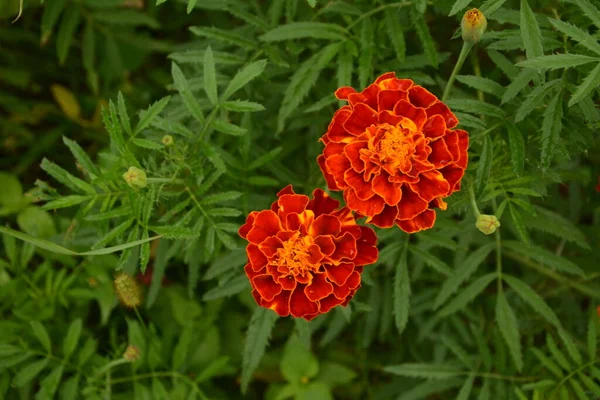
[
  {"x": 167, "y": 140},
  {"x": 487, "y": 224},
  {"x": 135, "y": 177},
  {"x": 473, "y": 26}
]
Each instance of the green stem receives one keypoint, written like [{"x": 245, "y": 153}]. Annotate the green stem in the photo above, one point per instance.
[
  {"x": 498, "y": 250},
  {"x": 376, "y": 10},
  {"x": 473, "y": 202},
  {"x": 461, "y": 59}
]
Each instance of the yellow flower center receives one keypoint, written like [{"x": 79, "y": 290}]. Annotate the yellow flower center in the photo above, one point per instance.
[
  {"x": 473, "y": 17},
  {"x": 294, "y": 257}
]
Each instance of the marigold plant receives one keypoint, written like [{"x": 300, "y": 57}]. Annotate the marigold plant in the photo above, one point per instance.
[
  {"x": 305, "y": 256},
  {"x": 394, "y": 153}
]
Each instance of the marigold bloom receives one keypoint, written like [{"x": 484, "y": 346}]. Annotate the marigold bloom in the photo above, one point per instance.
[
  {"x": 393, "y": 152},
  {"x": 305, "y": 256}
]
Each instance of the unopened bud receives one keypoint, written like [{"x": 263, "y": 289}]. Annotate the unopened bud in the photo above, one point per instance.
[
  {"x": 487, "y": 224},
  {"x": 473, "y": 26},
  {"x": 135, "y": 177},
  {"x": 128, "y": 290},
  {"x": 132, "y": 353},
  {"x": 167, "y": 140}
]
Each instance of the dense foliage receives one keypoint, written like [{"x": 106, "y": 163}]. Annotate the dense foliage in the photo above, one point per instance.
[{"x": 233, "y": 95}]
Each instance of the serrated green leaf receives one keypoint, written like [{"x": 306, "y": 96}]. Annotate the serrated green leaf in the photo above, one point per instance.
[
  {"x": 183, "y": 87},
  {"x": 28, "y": 373},
  {"x": 591, "y": 82},
  {"x": 70, "y": 342},
  {"x": 483, "y": 84},
  {"x": 422, "y": 370},
  {"x": 551, "y": 128},
  {"x": 82, "y": 157},
  {"x": 557, "y": 355},
  {"x": 257, "y": 339},
  {"x": 545, "y": 257},
  {"x": 467, "y": 295},
  {"x": 589, "y": 10},
  {"x": 49, "y": 384},
  {"x": 570, "y": 345},
  {"x": 264, "y": 159},
  {"x": 174, "y": 232},
  {"x": 147, "y": 144},
  {"x": 518, "y": 84},
  {"x": 465, "y": 390},
  {"x": 535, "y": 300},
  {"x": 228, "y": 129},
  {"x": 458, "y": 6},
  {"x": 592, "y": 336},
  {"x": 402, "y": 292},
  {"x": 224, "y": 35},
  {"x": 530, "y": 32},
  {"x": 517, "y": 220},
  {"x": 517, "y": 148},
  {"x": 210, "y": 76},
  {"x": 64, "y": 177},
  {"x": 242, "y": 106},
  {"x": 41, "y": 334},
  {"x": 462, "y": 273},
  {"x": 556, "y": 61},
  {"x": 123, "y": 115},
  {"x": 425, "y": 38},
  {"x": 396, "y": 35},
  {"x": 212, "y": 155},
  {"x": 243, "y": 77},
  {"x": 535, "y": 99},
  {"x": 66, "y": 32},
  {"x": 476, "y": 107},
  {"x": 367, "y": 52},
  {"x": 148, "y": 116},
  {"x": 577, "y": 34},
  {"x": 113, "y": 234},
  {"x": 507, "y": 323},
  {"x": 64, "y": 202},
  {"x": 301, "y": 30}
]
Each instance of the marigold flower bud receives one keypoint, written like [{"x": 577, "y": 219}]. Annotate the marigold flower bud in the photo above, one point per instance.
[
  {"x": 132, "y": 353},
  {"x": 473, "y": 26},
  {"x": 487, "y": 224},
  {"x": 167, "y": 140},
  {"x": 128, "y": 290},
  {"x": 135, "y": 177}
]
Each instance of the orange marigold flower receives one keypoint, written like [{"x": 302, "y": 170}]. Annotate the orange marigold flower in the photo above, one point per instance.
[
  {"x": 393, "y": 152},
  {"x": 305, "y": 256}
]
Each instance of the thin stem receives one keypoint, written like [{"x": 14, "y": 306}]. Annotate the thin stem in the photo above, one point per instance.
[
  {"x": 498, "y": 250},
  {"x": 376, "y": 10},
  {"x": 473, "y": 201},
  {"x": 139, "y": 317},
  {"x": 566, "y": 378},
  {"x": 461, "y": 59}
]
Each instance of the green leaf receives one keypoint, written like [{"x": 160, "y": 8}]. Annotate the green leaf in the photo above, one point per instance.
[
  {"x": 123, "y": 116},
  {"x": 334, "y": 374},
  {"x": 425, "y": 38},
  {"x": 462, "y": 273},
  {"x": 41, "y": 334},
  {"x": 183, "y": 87},
  {"x": 52, "y": 11},
  {"x": 465, "y": 390},
  {"x": 476, "y": 107},
  {"x": 577, "y": 34},
  {"x": 190, "y": 6},
  {"x": 458, "y": 6},
  {"x": 148, "y": 116},
  {"x": 228, "y": 129},
  {"x": 174, "y": 232},
  {"x": 212, "y": 155},
  {"x": 126, "y": 18},
  {"x": 242, "y": 106},
  {"x": 53, "y": 247},
  {"x": 230, "y": 288},
  {"x": 213, "y": 369},
  {"x": 367, "y": 52},
  {"x": 557, "y": 355},
  {"x": 301, "y": 30},
  {"x": 507, "y": 323},
  {"x": 49, "y": 384},
  {"x": 72, "y": 338},
  {"x": 544, "y": 257},
  {"x": 517, "y": 220},
  {"x": 64, "y": 202},
  {"x": 396, "y": 35},
  {"x": 82, "y": 157},
  {"x": 520, "y": 82},
  {"x": 312, "y": 3},
  {"x": 556, "y": 61},
  {"x": 431, "y": 260},
  {"x": 210, "y": 76},
  {"x": 552, "y": 367},
  {"x": 517, "y": 148},
  {"x": 298, "y": 363},
  {"x": 589, "y": 10},
  {"x": 557, "y": 225},
  {"x": 70, "y": 181},
  {"x": 28, "y": 373},
  {"x": 243, "y": 77},
  {"x": 484, "y": 166},
  {"x": 592, "y": 335},
  {"x": 224, "y": 35},
  {"x": 551, "y": 128},
  {"x": 402, "y": 292},
  {"x": 483, "y": 84},
  {"x": 147, "y": 144},
  {"x": 66, "y": 33},
  {"x": 257, "y": 339},
  {"x": 113, "y": 234},
  {"x": 530, "y": 32},
  {"x": 302, "y": 81},
  {"x": 227, "y": 240},
  {"x": 467, "y": 295},
  {"x": 221, "y": 197},
  {"x": 570, "y": 345},
  {"x": 591, "y": 82},
  {"x": 530, "y": 296},
  {"x": 345, "y": 63},
  {"x": 535, "y": 99},
  {"x": 264, "y": 159},
  {"x": 423, "y": 370},
  {"x": 420, "y": 6}
]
